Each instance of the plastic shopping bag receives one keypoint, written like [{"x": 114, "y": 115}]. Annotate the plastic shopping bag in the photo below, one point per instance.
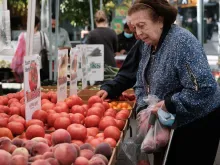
[
  {"x": 156, "y": 138},
  {"x": 17, "y": 61},
  {"x": 143, "y": 118},
  {"x": 133, "y": 152}
]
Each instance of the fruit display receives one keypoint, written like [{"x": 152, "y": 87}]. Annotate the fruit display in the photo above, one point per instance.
[{"x": 69, "y": 132}]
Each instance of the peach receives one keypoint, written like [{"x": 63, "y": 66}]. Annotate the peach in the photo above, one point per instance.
[
  {"x": 48, "y": 138},
  {"x": 29, "y": 144},
  {"x": 81, "y": 161},
  {"x": 39, "y": 149},
  {"x": 40, "y": 162},
  {"x": 65, "y": 154},
  {"x": 102, "y": 157},
  {"x": 88, "y": 154},
  {"x": 34, "y": 158},
  {"x": 18, "y": 142},
  {"x": 35, "y": 131},
  {"x": 96, "y": 160},
  {"x": 87, "y": 146},
  {"x": 5, "y": 157},
  {"x": 61, "y": 136},
  {"x": 21, "y": 151},
  {"x": 19, "y": 160},
  {"x": 40, "y": 139},
  {"x": 13, "y": 147},
  {"x": 47, "y": 155},
  {"x": 5, "y": 144},
  {"x": 53, "y": 161}
]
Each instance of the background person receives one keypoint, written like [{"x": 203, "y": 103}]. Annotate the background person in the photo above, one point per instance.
[
  {"x": 102, "y": 34},
  {"x": 63, "y": 36},
  {"x": 126, "y": 40},
  {"x": 38, "y": 40}
]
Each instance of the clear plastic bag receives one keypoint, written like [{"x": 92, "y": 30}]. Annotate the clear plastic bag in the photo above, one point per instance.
[
  {"x": 133, "y": 152},
  {"x": 156, "y": 138},
  {"x": 143, "y": 118}
]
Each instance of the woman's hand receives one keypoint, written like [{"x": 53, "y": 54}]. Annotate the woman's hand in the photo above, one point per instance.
[
  {"x": 102, "y": 93},
  {"x": 161, "y": 105}
]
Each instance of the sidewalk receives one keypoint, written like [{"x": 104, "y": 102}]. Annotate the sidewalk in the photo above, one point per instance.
[{"x": 211, "y": 47}]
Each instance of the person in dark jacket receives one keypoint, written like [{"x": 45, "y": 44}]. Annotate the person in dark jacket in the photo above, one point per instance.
[
  {"x": 106, "y": 36},
  {"x": 180, "y": 76},
  {"x": 126, "y": 40}
]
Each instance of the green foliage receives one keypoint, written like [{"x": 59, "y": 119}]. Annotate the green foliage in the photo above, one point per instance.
[
  {"x": 18, "y": 6},
  {"x": 78, "y": 12}
]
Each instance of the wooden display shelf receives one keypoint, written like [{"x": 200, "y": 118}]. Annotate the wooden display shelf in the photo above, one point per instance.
[{"x": 113, "y": 158}]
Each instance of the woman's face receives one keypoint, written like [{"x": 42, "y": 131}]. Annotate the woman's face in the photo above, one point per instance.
[{"x": 146, "y": 29}]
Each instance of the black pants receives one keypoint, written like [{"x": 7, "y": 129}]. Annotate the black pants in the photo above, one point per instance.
[{"x": 197, "y": 142}]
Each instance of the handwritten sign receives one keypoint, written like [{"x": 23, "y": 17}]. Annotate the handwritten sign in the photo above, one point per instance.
[
  {"x": 32, "y": 85},
  {"x": 62, "y": 64},
  {"x": 74, "y": 53}
]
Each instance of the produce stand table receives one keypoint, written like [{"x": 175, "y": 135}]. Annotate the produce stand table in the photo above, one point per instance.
[{"x": 90, "y": 91}]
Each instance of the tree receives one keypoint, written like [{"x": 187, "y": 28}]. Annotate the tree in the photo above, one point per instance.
[{"x": 78, "y": 12}]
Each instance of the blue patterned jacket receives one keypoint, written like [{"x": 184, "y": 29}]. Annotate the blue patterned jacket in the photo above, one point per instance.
[{"x": 180, "y": 75}]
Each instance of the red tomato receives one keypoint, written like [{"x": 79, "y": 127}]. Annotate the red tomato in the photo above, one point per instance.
[
  {"x": 110, "y": 112},
  {"x": 54, "y": 98},
  {"x": 94, "y": 99},
  {"x": 16, "y": 128},
  {"x": 40, "y": 115},
  {"x": 5, "y": 132},
  {"x": 112, "y": 132},
  {"x": 12, "y": 100},
  {"x": 60, "y": 109},
  {"x": 88, "y": 139},
  {"x": 62, "y": 122},
  {"x": 100, "y": 105},
  {"x": 106, "y": 105},
  {"x": 44, "y": 95},
  {"x": 92, "y": 121},
  {"x": 105, "y": 122},
  {"x": 78, "y": 109},
  {"x": 64, "y": 114},
  {"x": 121, "y": 116},
  {"x": 77, "y": 132},
  {"x": 43, "y": 101},
  {"x": 95, "y": 142},
  {"x": 95, "y": 111},
  {"x": 76, "y": 100},
  {"x": 77, "y": 118},
  {"x": 17, "y": 118},
  {"x": 3, "y": 122},
  {"x": 51, "y": 118},
  {"x": 47, "y": 106},
  {"x": 34, "y": 122},
  {"x": 111, "y": 142},
  {"x": 34, "y": 131},
  {"x": 120, "y": 124},
  {"x": 92, "y": 131}
]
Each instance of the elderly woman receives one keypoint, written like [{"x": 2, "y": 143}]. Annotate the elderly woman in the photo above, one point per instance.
[{"x": 174, "y": 67}]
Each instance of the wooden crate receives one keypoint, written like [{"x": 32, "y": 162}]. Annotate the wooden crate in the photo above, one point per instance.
[{"x": 113, "y": 158}]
